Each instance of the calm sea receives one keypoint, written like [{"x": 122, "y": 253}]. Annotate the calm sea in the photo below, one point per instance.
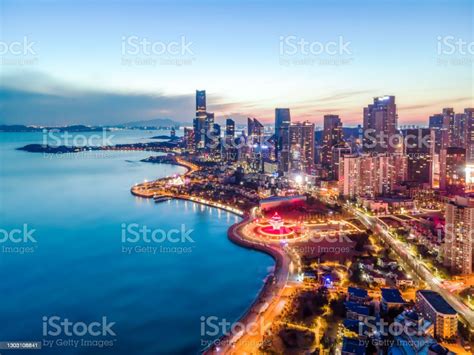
[{"x": 63, "y": 222}]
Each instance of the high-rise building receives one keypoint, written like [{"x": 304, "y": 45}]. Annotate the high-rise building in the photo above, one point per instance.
[
  {"x": 440, "y": 127},
  {"x": 381, "y": 126},
  {"x": 255, "y": 140},
  {"x": 419, "y": 150},
  {"x": 469, "y": 134},
  {"x": 189, "y": 139},
  {"x": 211, "y": 139},
  {"x": 370, "y": 175},
  {"x": 439, "y": 124},
  {"x": 338, "y": 153},
  {"x": 254, "y": 130},
  {"x": 453, "y": 170},
  {"x": 230, "y": 146},
  {"x": 332, "y": 137},
  {"x": 199, "y": 123},
  {"x": 229, "y": 129},
  {"x": 282, "y": 117},
  {"x": 301, "y": 138},
  {"x": 449, "y": 121},
  {"x": 458, "y": 243},
  {"x": 434, "y": 307},
  {"x": 282, "y": 138}
]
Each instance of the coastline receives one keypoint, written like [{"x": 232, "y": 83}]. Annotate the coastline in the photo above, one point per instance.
[
  {"x": 226, "y": 343},
  {"x": 271, "y": 287}
]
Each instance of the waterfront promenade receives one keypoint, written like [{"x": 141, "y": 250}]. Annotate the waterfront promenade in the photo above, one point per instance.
[
  {"x": 258, "y": 319},
  {"x": 260, "y": 315}
]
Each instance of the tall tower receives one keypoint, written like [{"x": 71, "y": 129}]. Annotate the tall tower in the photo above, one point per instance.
[
  {"x": 282, "y": 131},
  {"x": 199, "y": 123},
  {"x": 381, "y": 125},
  {"x": 332, "y": 137},
  {"x": 301, "y": 139}
]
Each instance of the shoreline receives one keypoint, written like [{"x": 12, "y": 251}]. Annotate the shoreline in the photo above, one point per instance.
[
  {"x": 271, "y": 287},
  {"x": 226, "y": 340}
]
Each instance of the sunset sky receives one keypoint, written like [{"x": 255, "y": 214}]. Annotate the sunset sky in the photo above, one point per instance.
[{"x": 78, "y": 71}]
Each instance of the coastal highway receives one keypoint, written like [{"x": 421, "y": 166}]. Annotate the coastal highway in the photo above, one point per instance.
[{"x": 414, "y": 263}]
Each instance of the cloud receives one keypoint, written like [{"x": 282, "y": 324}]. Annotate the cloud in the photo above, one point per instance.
[{"x": 34, "y": 98}]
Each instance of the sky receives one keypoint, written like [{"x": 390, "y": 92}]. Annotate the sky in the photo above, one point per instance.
[{"x": 107, "y": 62}]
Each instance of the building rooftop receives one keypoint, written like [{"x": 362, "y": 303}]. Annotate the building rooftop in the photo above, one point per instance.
[
  {"x": 438, "y": 302},
  {"x": 357, "y": 292},
  {"x": 357, "y": 308},
  {"x": 438, "y": 349},
  {"x": 352, "y": 346},
  {"x": 392, "y": 295}
]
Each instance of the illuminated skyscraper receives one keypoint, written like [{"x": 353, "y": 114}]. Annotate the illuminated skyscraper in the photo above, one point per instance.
[
  {"x": 199, "y": 123},
  {"x": 453, "y": 170},
  {"x": 332, "y": 137},
  {"x": 380, "y": 125},
  {"x": 301, "y": 137},
  {"x": 282, "y": 131}
]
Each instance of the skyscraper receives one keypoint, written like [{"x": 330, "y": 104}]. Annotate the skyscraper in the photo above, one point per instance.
[
  {"x": 211, "y": 138},
  {"x": 419, "y": 150},
  {"x": 458, "y": 244},
  {"x": 380, "y": 125},
  {"x": 332, "y": 137},
  {"x": 254, "y": 130},
  {"x": 229, "y": 129},
  {"x": 282, "y": 127},
  {"x": 189, "y": 139},
  {"x": 230, "y": 148},
  {"x": 469, "y": 134},
  {"x": 448, "y": 115},
  {"x": 282, "y": 117},
  {"x": 199, "y": 123},
  {"x": 370, "y": 175},
  {"x": 453, "y": 170},
  {"x": 301, "y": 138}
]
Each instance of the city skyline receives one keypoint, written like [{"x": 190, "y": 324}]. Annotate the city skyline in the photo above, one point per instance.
[{"x": 92, "y": 76}]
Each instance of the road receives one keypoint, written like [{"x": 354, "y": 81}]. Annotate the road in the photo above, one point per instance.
[
  {"x": 418, "y": 267},
  {"x": 257, "y": 320}
]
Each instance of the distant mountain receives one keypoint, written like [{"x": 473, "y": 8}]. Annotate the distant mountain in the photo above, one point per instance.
[
  {"x": 159, "y": 122},
  {"x": 74, "y": 128}
]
